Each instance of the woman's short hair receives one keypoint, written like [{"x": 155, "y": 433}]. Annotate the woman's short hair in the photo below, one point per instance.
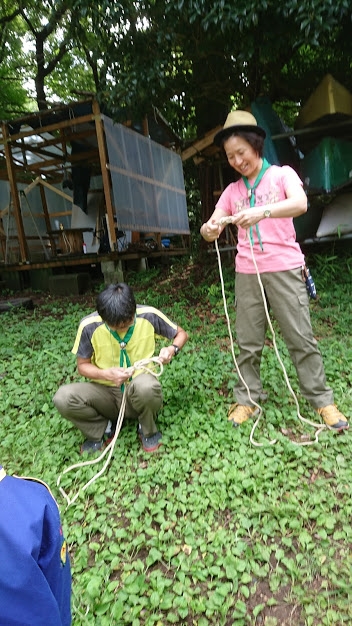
[{"x": 254, "y": 139}]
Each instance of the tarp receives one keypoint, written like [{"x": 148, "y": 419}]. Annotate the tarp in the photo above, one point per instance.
[{"x": 147, "y": 182}]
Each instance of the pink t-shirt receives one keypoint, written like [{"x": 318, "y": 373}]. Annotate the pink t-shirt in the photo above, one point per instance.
[{"x": 280, "y": 249}]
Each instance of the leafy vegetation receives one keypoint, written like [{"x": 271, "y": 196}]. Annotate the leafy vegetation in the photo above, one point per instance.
[
  {"x": 190, "y": 59},
  {"x": 211, "y": 530}
]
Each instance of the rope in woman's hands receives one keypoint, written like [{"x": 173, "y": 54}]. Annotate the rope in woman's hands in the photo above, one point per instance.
[{"x": 319, "y": 427}]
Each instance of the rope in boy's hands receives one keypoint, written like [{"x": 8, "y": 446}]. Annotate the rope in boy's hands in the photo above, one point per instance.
[{"x": 138, "y": 365}]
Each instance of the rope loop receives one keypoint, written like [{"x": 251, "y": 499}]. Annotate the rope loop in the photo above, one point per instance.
[
  {"x": 144, "y": 365},
  {"x": 319, "y": 427}
]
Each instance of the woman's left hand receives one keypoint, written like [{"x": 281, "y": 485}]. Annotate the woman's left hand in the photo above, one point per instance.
[{"x": 248, "y": 217}]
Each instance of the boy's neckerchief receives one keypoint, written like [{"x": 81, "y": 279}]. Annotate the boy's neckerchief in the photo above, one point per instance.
[
  {"x": 252, "y": 199},
  {"x": 124, "y": 358}
]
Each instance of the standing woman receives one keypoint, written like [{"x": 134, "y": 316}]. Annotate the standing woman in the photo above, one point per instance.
[{"x": 263, "y": 203}]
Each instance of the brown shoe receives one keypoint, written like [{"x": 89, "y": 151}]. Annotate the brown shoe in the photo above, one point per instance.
[
  {"x": 333, "y": 417},
  {"x": 239, "y": 413}
]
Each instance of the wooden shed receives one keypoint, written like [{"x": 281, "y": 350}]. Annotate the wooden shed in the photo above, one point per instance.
[{"x": 77, "y": 188}]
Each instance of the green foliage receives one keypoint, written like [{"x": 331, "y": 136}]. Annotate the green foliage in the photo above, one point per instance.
[
  {"x": 212, "y": 530},
  {"x": 190, "y": 59},
  {"x": 13, "y": 97},
  {"x": 12, "y": 71}
]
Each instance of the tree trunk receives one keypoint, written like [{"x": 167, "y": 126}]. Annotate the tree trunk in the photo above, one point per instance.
[{"x": 40, "y": 76}]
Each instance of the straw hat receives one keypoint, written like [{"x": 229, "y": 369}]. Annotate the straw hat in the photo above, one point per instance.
[{"x": 238, "y": 120}]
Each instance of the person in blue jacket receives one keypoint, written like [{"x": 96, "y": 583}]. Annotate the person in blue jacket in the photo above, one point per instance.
[{"x": 35, "y": 576}]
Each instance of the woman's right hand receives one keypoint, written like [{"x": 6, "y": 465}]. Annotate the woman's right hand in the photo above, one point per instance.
[{"x": 210, "y": 230}]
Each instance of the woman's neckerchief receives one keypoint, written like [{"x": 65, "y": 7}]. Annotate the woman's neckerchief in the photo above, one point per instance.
[
  {"x": 252, "y": 199},
  {"x": 124, "y": 358}
]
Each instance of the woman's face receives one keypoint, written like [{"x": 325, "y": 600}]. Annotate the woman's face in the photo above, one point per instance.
[{"x": 242, "y": 157}]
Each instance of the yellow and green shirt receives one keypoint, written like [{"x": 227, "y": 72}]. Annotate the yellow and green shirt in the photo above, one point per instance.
[{"x": 94, "y": 340}]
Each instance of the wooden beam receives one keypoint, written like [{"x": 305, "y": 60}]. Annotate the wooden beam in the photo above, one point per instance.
[
  {"x": 74, "y": 121},
  {"x": 58, "y": 141},
  {"x": 58, "y": 161},
  {"x": 47, "y": 219},
  {"x": 33, "y": 184},
  {"x": 312, "y": 130},
  {"x": 44, "y": 183},
  {"x": 103, "y": 156},
  {"x": 211, "y": 151},
  {"x": 146, "y": 179},
  {"x": 14, "y": 194},
  {"x": 145, "y": 126},
  {"x": 40, "y": 152},
  {"x": 197, "y": 147},
  {"x": 56, "y": 190},
  {"x": 44, "y": 113},
  {"x": 94, "y": 258}
]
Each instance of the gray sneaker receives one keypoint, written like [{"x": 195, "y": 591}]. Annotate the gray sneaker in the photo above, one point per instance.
[
  {"x": 151, "y": 443},
  {"x": 92, "y": 446}
]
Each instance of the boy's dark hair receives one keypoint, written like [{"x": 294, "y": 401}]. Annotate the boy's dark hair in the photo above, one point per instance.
[
  {"x": 116, "y": 304},
  {"x": 254, "y": 140}
]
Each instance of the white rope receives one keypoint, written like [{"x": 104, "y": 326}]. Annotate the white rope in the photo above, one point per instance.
[
  {"x": 138, "y": 365},
  {"x": 66, "y": 242},
  {"x": 319, "y": 427}
]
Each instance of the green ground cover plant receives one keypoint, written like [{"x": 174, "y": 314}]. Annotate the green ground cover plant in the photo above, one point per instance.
[{"x": 211, "y": 530}]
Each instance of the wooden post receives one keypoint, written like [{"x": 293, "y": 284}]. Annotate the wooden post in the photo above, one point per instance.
[
  {"x": 105, "y": 175},
  {"x": 47, "y": 220},
  {"x": 14, "y": 194},
  {"x": 145, "y": 126}
]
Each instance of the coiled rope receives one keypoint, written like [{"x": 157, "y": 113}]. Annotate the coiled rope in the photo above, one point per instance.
[
  {"x": 109, "y": 449},
  {"x": 319, "y": 427}
]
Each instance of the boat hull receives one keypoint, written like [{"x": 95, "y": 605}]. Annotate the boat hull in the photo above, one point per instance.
[
  {"x": 328, "y": 167},
  {"x": 330, "y": 101}
]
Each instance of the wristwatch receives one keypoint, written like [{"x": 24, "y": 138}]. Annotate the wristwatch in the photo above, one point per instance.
[
  {"x": 267, "y": 213},
  {"x": 176, "y": 348}
]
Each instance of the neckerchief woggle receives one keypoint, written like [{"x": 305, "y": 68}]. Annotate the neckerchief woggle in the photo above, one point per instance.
[
  {"x": 251, "y": 196},
  {"x": 124, "y": 358}
]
